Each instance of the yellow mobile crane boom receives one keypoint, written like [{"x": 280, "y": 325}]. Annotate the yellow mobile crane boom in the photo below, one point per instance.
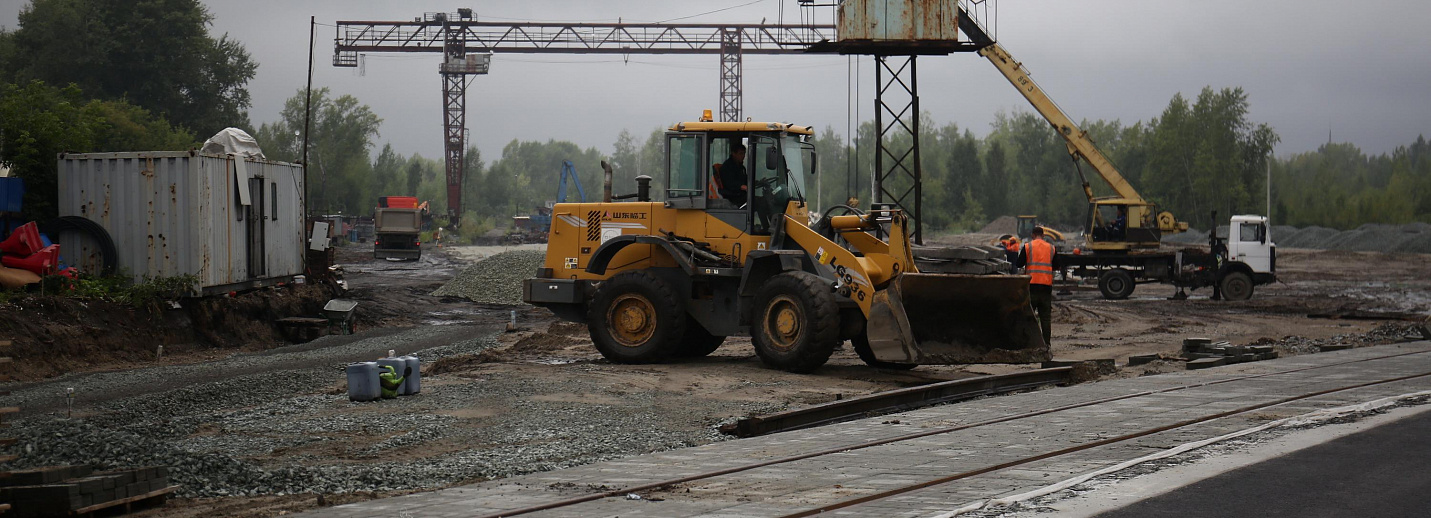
[{"x": 1144, "y": 224}]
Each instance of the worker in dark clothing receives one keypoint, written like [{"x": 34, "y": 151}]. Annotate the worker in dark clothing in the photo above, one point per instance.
[
  {"x": 733, "y": 179},
  {"x": 391, "y": 382},
  {"x": 1118, "y": 229},
  {"x": 1036, "y": 259}
]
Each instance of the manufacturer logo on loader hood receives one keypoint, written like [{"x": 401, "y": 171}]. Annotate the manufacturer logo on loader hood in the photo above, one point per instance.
[{"x": 625, "y": 215}]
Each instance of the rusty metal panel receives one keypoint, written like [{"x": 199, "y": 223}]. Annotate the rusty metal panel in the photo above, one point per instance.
[
  {"x": 178, "y": 213},
  {"x": 898, "y": 20}
]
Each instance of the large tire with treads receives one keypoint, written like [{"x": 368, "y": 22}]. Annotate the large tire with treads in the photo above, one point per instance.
[
  {"x": 636, "y": 317},
  {"x": 697, "y": 341},
  {"x": 795, "y": 324},
  {"x": 1236, "y": 286}
]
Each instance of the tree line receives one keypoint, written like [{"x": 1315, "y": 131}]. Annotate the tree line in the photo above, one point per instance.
[{"x": 90, "y": 75}]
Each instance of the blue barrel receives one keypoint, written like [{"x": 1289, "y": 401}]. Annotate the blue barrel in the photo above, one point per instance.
[
  {"x": 363, "y": 384},
  {"x": 398, "y": 364},
  {"x": 413, "y": 383}
]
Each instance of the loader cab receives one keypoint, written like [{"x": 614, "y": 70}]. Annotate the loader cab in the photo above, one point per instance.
[{"x": 778, "y": 161}]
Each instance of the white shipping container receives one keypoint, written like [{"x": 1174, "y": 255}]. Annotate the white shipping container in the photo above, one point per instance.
[{"x": 234, "y": 223}]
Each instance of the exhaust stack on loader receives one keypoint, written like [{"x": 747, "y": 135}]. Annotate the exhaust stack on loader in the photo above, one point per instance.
[{"x": 731, "y": 251}]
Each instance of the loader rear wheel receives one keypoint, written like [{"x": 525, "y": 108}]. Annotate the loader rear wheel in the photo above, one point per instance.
[
  {"x": 1116, "y": 284},
  {"x": 866, "y": 354},
  {"x": 697, "y": 341},
  {"x": 635, "y": 317},
  {"x": 796, "y": 323},
  {"x": 1236, "y": 286}
]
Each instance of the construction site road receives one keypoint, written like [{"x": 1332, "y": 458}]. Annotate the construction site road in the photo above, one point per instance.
[
  {"x": 270, "y": 430},
  {"x": 978, "y": 458}
]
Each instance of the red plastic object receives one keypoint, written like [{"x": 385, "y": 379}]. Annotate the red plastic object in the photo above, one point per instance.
[
  {"x": 70, "y": 272},
  {"x": 24, "y": 241},
  {"x": 397, "y": 202},
  {"x": 42, "y": 262}
]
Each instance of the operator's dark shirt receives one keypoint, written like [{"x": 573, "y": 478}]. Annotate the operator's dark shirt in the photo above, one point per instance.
[{"x": 732, "y": 178}]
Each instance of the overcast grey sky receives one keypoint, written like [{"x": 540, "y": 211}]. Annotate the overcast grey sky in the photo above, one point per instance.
[{"x": 1359, "y": 70}]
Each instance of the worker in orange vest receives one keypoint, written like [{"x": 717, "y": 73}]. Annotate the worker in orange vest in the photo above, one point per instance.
[
  {"x": 1037, "y": 261},
  {"x": 1011, "y": 247}
]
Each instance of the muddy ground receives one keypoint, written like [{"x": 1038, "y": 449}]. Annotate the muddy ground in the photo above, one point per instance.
[{"x": 545, "y": 384}]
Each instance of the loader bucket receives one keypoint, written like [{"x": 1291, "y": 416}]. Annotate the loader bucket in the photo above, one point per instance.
[{"x": 942, "y": 319}]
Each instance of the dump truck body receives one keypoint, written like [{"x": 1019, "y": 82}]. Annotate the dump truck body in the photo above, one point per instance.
[{"x": 395, "y": 233}]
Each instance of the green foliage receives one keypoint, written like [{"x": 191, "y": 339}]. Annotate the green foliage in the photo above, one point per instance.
[
  {"x": 157, "y": 54},
  {"x": 37, "y": 122},
  {"x": 341, "y": 179},
  {"x": 1338, "y": 186},
  {"x": 148, "y": 294}
]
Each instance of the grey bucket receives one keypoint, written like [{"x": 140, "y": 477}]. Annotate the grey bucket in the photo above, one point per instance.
[
  {"x": 413, "y": 383},
  {"x": 363, "y": 382}
]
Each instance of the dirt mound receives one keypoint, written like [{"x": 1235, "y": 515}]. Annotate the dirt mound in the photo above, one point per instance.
[
  {"x": 567, "y": 328},
  {"x": 1412, "y": 238},
  {"x": 53, "y": 335},
  {"x": 1002, "y": 225}
]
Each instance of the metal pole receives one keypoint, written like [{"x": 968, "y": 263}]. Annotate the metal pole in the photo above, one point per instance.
[
  {"x": 307, "y": 126},
  {"x": 918, "y": 165}
]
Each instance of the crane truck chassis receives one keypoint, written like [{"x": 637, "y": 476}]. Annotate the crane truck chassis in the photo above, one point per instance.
[
  {"x": 661, "y": 280},
  {"x": 1231, "y": 266}
]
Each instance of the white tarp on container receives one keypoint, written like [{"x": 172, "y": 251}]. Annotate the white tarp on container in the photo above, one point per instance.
[{"x": 235, "y": 141}]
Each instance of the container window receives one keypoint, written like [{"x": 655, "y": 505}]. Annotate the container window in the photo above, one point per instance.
[{"x": 273, "y": 200}]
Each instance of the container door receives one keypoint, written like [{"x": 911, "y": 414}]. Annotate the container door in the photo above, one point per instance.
[{"x": 257, "y": 216}]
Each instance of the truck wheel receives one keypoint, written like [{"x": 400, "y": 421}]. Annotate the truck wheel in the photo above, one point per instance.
[
  {"x": 635, "y": 317},
  {"x": 796, "y": 322},
  {"x": 1236, "y": 286},
  {"x": 862, "y": 348},
  {"x": 698, "y": 342},
  {"x": 1116, "y": 284}
]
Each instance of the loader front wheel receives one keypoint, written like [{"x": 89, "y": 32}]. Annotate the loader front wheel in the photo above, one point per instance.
[
  {"x": 635, "y": 317},
  {"x": 796, "y": 324}
]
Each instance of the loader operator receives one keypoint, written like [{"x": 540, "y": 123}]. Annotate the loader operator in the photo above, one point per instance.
[
  {"x": 390, "y": 381},
  {"x": 733, "y": 179},
  {"x": 1037, "y": 261}
]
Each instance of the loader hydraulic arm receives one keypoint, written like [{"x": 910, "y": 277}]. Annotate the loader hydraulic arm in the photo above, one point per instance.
[{"x": 1079, "y": 144}]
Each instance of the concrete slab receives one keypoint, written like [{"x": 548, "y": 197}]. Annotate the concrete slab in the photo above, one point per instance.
[{"x": 789, "y": 487}]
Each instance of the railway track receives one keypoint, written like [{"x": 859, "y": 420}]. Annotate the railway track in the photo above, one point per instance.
[{"x": 1124, "y": 437}]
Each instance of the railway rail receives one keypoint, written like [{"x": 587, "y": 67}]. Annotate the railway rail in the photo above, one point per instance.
[{"x": 668, "y": 483}]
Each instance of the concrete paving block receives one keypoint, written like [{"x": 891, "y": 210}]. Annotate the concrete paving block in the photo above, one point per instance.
[
  {"x": 1336, "y": 347},
  {"x": 1140, "y": 359},
  {"x": 1203, "y": 363}
]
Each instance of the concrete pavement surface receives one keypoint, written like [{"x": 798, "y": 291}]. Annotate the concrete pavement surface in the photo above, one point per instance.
[{"x": 1077, "y": 416}]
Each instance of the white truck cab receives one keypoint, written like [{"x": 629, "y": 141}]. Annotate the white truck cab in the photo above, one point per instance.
[{"x": 1249, "y": 241}]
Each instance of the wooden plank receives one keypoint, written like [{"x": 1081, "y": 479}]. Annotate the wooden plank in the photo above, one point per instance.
[
  {"x": 7, "y": 343},
  {"x": 8, "y": 458},
  {"x": 9, "y": 410},
  {"x": 5, "y": 359},
  {"x": 125, "y": 501},
  {"x": 8, "y": 441}
]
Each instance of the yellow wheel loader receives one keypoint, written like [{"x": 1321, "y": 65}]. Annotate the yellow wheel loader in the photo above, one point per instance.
[{"x": 731, "y": 252}]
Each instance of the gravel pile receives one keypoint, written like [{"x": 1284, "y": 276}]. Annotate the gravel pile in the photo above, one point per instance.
[
  {"x": 1372, "y": 237},
  {"x": 1001, "y": 225},
  {"x": 1386, "y": 333},
  {"x": 495, "y": 280}
]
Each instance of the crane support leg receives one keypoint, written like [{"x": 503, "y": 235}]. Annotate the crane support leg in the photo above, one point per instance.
[
  {"x": 899, "y": 176},
  {"x": 730, "y": 77}
]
